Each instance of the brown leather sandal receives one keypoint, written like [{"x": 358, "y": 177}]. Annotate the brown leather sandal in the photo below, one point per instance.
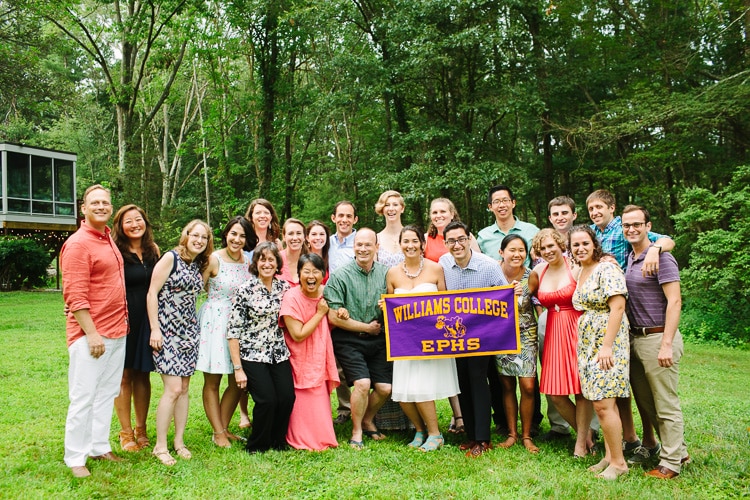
[{"x": 127, "y": 441}]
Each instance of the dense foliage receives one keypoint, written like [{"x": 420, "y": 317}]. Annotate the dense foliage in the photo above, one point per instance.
[
  {"x": 191, "y": 108},
  {"x": 23, "y": 263}
]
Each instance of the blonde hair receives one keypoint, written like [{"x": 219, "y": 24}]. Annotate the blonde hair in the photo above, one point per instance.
[
  {"x": 380, "y": 205},
  {"x": 545, "y": 233},
  {"x": 202, "y": 258},
  {"x": 431, "y": 229}
]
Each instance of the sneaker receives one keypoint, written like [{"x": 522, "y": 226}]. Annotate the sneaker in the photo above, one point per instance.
[
  {"x": 629, "y": 448},
  {"x": 643, "y": 455}
]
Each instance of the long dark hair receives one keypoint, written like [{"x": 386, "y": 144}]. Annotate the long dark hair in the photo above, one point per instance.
[
  {"x": 251, "y": 239},
  {"x": 327, "y": 246},
  {"x": 598, "y": 253},
  {"x": 148, "y": 247}
]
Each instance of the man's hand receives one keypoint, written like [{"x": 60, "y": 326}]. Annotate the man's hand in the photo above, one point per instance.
[
  {"x": 651, "y": 262},
  {"x": 96, "y": 344},
  {"x": 373, "y": 327},
  {"x": 665, "y": 356}
]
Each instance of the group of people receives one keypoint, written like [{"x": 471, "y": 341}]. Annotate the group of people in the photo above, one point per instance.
[{"x": 295, "y": 312}]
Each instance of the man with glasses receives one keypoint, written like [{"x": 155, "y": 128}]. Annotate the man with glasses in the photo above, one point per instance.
[
  {"x": 501, "y": 203},
  {"x": 653, "y": 308},
  {"x": 94, "y": 292},
  {"x": 465, "y": 269}
]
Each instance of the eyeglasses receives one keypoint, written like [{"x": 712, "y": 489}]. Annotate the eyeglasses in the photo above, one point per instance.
[
  {"x": 199, "y": 236},
  {"x": 461, "y": 241},
  {"x": 501, "y": 201},
  {"x": 634, "y": 225}
]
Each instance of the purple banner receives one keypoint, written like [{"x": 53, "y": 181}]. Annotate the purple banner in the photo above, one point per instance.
[{"x": 475, "y": 322}]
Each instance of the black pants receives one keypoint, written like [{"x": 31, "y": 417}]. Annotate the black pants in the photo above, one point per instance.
[
  {"x": 475, "y": 396},
  {"x": 272, "y": 388}
]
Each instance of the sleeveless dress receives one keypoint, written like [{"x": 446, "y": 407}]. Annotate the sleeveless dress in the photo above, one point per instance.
[
  {"x": 390, "y": 259},
  {"x": 137, "y": 279},
  {"x": 178, "y": 321},
  {"x": 524, "y": 363},
  {"x": 607, "y": 280},
  {"x": 560, "y": 358},
  {"x": 213, "y": 350},
  {"x": 418, "y": 380}
]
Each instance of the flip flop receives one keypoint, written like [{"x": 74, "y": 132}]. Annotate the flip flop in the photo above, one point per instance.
[
  {"x": 375, "y": 435},
  {"x": 356, "y": 445}
]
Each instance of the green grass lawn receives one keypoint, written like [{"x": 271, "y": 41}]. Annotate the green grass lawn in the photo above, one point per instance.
[{"x": 33, "y": 402}]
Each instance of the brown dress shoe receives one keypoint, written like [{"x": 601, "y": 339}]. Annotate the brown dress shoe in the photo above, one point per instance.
[
  {"x": 467, "y": 446},
  {"x": 80, "y": 471},
  {"x": 661, "y": 472},
  {"x": 109, "y": 457},
  {"x": 479, "y": 449}
]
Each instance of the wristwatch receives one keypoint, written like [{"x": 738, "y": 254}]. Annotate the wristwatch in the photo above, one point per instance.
[
  {"x": 237, "y": 367},
  {"x": 659, "y": 247}
]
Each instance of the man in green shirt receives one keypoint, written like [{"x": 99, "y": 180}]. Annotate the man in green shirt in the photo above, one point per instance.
[{"x": 352, "y": 293}]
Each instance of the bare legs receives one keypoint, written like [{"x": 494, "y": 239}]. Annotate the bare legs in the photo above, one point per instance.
[
  {"x": 511, "y": 410},
  {"x": 135, "y": 384},
  {"x": 365, "y": 405},
  {"x": 578, "y": 416},
  {"x": 423, "y": 415},
  {"x": 173, "y": 404},
  {"x": 244, "y": 416},
  {"x": 609, "y": 417},
  {"x": 219, "y": 413}
]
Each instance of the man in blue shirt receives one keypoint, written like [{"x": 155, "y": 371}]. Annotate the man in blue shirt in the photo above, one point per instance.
[{"x": 466, "y": 269}]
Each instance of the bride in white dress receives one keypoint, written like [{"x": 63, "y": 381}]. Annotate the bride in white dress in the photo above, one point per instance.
[{"x": 418, "y": 383}]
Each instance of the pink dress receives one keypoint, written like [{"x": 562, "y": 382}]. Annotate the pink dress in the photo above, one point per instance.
[
  {"x": 315, "y": 377},
  {"x": 560, "y": 358}
]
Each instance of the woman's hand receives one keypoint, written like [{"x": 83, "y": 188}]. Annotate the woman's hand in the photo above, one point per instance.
[
  {"x": 241, "y": 378},
  {"x": 517, "y": 288},
  {"x": 604, "y": 359},
  {"x": 156, "y": 341},
  {"x": 342, "y": 313},
  {"x": 322, "y": 307}
]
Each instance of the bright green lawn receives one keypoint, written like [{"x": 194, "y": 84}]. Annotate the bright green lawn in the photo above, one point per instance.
[{"x": 33, "y": 402}]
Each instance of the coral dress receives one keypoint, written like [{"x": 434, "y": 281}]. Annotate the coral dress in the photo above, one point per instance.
[
  {"x": 560, "y": 357},
  {"x": 315, "y": 376}
]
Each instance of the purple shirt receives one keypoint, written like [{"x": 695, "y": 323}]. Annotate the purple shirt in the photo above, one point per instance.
[{"x": 647, "y": 304}]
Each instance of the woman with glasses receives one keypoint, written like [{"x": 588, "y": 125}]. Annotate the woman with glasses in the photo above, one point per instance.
[{"x": 175, "y": 284}]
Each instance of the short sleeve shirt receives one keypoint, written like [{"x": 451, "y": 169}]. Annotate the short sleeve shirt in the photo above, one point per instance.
[
  {"x": 647, "y": 304},
  {"x": 491, "y": 237},
  {"x": 613, "y": 240},
  {"x": 358, "y": 291}
]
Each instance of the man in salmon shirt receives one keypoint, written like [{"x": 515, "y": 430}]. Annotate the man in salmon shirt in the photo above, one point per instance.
[{"x": 97, "y": 323}]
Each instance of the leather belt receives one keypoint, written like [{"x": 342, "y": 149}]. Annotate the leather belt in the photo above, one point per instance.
[
  {"x": 363, "y": 335},
  {"x": 645, "y": 330}
]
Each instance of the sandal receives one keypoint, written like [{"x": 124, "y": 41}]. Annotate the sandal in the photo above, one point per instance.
[
  {"x": 509, "y": 442},
  {"x": 375, "y": 435},
  {"x": 356, "y": 445},
  {"x": 164, "y": 457},
  {"x": 213, "y": 440},
  {"x": 417, "y": 441},
  {"x": 235, "y": 437},
  {"x": 141, "y": 437},
  {"x": 183, "y": 452},
  {"x": 528, "y": 443},
  {"x": 454, "y": 427},
  {"x": 433, "y": 443},
  {"x": 127, "y": 441}
]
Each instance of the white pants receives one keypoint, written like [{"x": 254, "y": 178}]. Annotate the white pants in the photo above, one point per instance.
[{"x": 93, "y": 385}]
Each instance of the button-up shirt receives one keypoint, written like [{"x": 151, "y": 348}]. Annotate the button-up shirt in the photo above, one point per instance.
[
  {"x": 491, "y": 237},
  {"x": 94, "y": 279},
  {"x": 254, "y": 320},
  {"x": 357, "y": 290},
  {"x": 480, "y": 272},
  {"x": 340, "y": 253},
  {"x": 613, "y": 240}
]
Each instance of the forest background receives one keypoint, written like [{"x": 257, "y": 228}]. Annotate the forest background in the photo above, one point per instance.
[{"x": 191, "y": 108}]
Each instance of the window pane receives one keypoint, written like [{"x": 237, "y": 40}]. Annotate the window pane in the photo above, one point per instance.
[
  {"x": 23, "y": 206},
  {"x": 64, "y": 181},
  {"x": 41, "y": 178},
  {"x": 63, "y": 209},
  {"x": 41, "y": 207},
  {"x": 18, "y": 175}
]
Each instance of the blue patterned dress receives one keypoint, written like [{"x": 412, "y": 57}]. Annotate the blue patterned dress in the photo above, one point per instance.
[
  {"x": 524, "y": 363},
  {"x": 178, "y": 321},
  {"x": 591, "y": 296}
]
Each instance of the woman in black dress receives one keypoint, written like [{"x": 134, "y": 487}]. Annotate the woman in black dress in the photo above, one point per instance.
[{"x": 134, "y": 237}]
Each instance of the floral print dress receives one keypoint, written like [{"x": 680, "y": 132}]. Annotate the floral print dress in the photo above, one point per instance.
[
  {"x": 524, "y": 363},
  {"x": 591, "y": 296}
]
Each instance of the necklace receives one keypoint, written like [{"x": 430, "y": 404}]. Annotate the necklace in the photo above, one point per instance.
[
  {"x": 231, "y": 257},
  {"x": 419, "y": 271}
]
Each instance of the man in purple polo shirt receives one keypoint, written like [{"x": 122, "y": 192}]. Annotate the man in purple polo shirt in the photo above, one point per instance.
[{"x": 653, "y": 308}]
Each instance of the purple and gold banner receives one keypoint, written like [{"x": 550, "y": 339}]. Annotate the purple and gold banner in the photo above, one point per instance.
[{"x": 475, "y": 322}]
